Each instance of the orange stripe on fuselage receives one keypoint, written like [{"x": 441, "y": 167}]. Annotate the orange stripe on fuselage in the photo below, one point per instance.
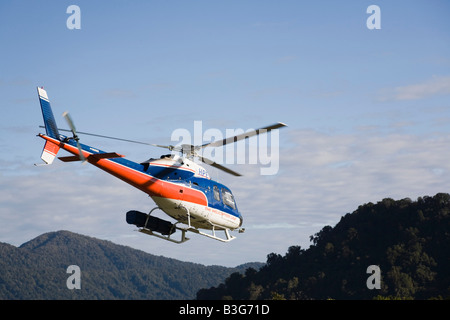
[{"x": 151, "y": 185}]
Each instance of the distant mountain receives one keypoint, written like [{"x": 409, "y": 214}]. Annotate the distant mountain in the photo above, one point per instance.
[
  {"x": 38, "y": 270},
  {"x": 405, "y": 243}
]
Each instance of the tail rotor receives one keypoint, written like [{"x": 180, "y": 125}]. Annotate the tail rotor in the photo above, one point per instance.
[{"x": 69, "y": 121}]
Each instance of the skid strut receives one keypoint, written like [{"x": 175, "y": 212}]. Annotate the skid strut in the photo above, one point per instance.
[{"x": 168, "y": 238}]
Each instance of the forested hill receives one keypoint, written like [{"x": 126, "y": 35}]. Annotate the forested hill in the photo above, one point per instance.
[
  {"x": 38, "y": 270},
  {"x": 408, "y": 240}
]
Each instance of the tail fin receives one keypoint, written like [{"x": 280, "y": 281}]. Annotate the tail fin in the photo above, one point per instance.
[
  {"x": 49, "y": 120},
  {"x": 50, "y": 151},
  {"x": 50, "y": 148}
]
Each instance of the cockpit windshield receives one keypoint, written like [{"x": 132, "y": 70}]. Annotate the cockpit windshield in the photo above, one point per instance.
[{"x": 228, "y": 198}]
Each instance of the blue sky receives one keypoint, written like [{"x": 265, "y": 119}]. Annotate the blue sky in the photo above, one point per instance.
[{"x": 368, "y": 110}]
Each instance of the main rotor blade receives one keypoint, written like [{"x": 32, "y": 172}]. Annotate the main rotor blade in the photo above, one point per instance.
[
  {"x": 113, "y": 138},
  {"x": 218, "y": 166},
  {"x": 244, "y": 135}
]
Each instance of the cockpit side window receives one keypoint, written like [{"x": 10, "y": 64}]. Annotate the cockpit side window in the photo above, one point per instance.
[
  {"x": 216, "y": 193},
  {"x": 228, "y": 198}
]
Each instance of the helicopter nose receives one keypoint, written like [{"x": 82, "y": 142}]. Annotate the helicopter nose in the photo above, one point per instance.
[{"x": 242, "y": 220}]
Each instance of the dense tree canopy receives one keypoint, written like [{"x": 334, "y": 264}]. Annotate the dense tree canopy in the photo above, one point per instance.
[
  {"x": 38, "y": 270},
  {"x": 408, "y": 240}
]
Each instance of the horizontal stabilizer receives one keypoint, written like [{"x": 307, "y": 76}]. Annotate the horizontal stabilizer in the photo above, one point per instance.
[
  {"x": 69, "y": 158},
  {"x": 107, "y": 155}
]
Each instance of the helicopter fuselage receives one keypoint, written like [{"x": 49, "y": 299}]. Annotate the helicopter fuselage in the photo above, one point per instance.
[{"x": 180, "y": 187}]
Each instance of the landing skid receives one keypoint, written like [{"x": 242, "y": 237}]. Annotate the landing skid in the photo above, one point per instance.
[
  {"x": 151, "y": 233},
  {"x": 228, "y": 237},
  {"x": 189, "y": 228}
]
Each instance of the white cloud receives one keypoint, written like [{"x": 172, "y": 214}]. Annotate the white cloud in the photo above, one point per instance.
[{"x": 436, "y": 86}]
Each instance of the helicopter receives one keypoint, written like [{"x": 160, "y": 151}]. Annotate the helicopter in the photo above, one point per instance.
[{"x": 179, "y": 186}]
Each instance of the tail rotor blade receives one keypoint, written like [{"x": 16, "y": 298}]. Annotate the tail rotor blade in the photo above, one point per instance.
[
  {"x": 69, "y": 121},
  {"x": 82, "y": 158}
]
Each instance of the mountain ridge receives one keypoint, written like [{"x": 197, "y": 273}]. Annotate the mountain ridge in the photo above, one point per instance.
[{"x": 37, "y": 269}]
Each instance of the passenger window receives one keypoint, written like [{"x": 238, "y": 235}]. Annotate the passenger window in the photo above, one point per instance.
[
  {"x": 216, "y": 193},
  {"x": 228, "y": 198}
]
